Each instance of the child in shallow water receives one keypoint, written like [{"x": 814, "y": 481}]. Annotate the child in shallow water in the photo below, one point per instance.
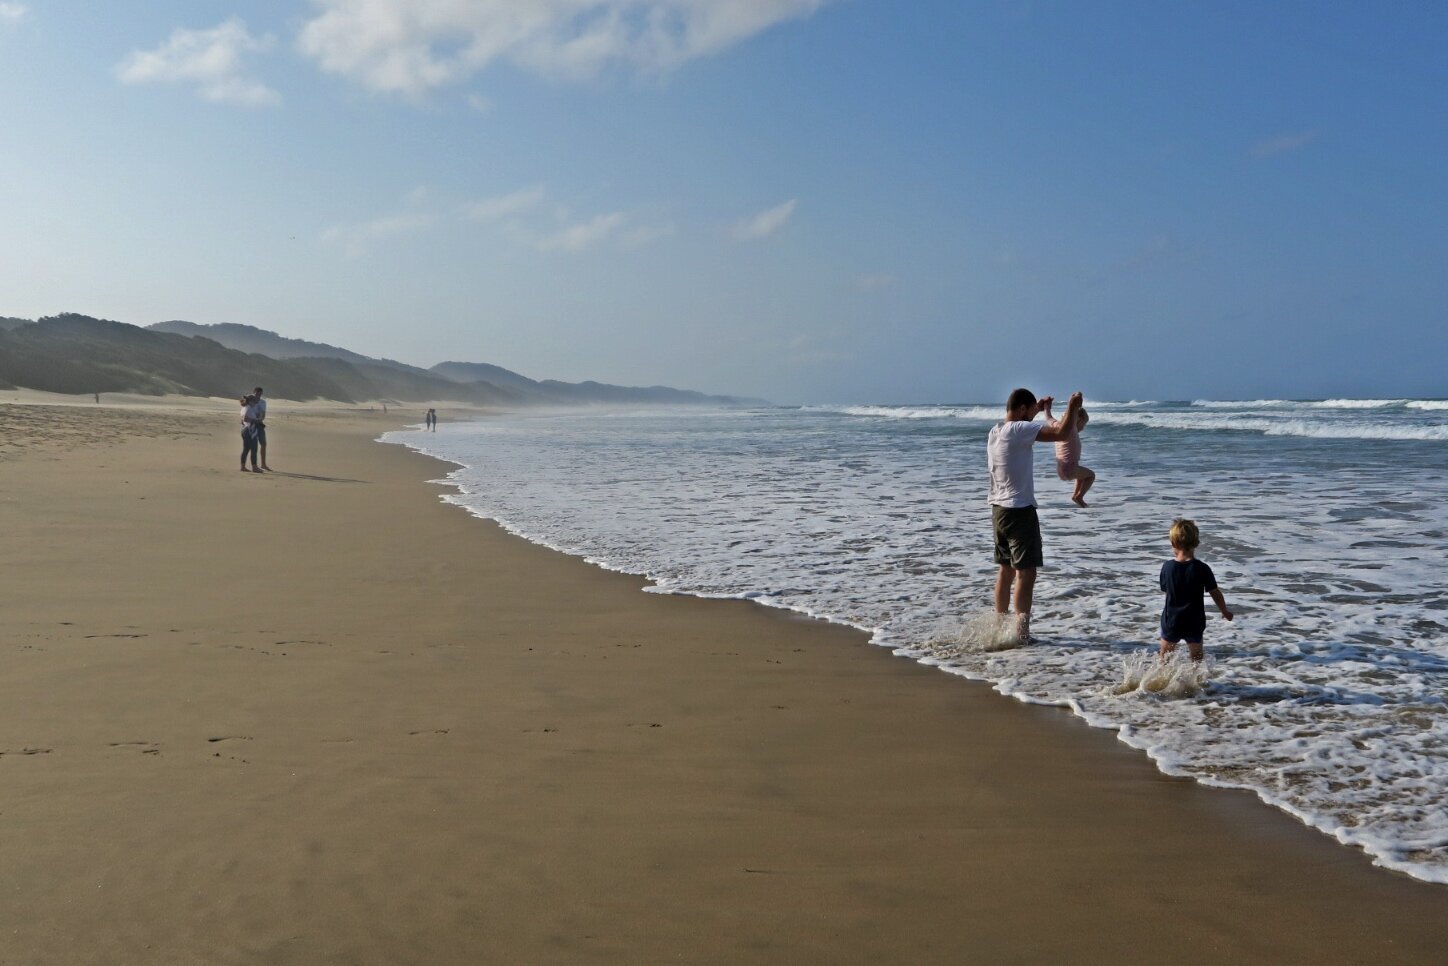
[
  {"x": 1068, "y": 458},
  {"x": 1184, "y": 579}
]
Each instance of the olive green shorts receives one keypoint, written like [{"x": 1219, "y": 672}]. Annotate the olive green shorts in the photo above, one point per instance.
[{"x": 1017, "y": 536}]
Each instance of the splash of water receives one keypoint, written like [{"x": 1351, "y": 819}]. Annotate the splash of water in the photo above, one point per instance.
[
  {"x": 1175, "y": 676},
  {"x": 986, "y": 631}
]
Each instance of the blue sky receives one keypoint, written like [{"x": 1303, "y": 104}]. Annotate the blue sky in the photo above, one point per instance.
[{"x": 807, "y": 200}]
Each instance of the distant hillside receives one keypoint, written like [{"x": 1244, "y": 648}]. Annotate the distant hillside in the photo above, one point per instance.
[
  {"x": 246, "y": 338},
  {"x": 464, "y": 381},
  {"x": 72, "y": 353},
  {"x": 78, "y": 354},
  {"x": 484, "y": 372}
]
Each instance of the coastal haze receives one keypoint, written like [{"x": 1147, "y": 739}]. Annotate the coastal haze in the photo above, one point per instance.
[{"x": 616, "y": 583}]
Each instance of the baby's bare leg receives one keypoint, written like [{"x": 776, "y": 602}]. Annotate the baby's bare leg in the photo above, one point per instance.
[{"x": 1084, "y": 478}]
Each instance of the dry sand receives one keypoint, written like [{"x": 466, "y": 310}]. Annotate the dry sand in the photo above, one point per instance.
[{"x": 319, "y": 716}]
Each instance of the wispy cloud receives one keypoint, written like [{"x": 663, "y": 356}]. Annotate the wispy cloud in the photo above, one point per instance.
[
  {"x": 583, "y": 234},
  {"x": 412, "y": 46},
  {"x": 210, "y": 59},
  {"x": 530, "y": 217},
  {"x": 1283, "y": 144},
  {"x": 11, "y": 12},
  {"x": 358, "y": 238},
  {"x": 641, "y": 235},
  {"x": 501, "y": 206},
  {"x": 765, "y": 223}
]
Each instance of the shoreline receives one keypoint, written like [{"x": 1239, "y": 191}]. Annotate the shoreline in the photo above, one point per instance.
[
  {"x": 1322, "y": 824},
  {"x": 406, "y": 737}
]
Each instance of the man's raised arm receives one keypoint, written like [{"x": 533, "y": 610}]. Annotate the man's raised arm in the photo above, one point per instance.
[{"x": 1053, "y": 432}]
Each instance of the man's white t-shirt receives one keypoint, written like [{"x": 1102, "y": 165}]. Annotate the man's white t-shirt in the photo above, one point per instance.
[{"x": 1012, "y": 470}]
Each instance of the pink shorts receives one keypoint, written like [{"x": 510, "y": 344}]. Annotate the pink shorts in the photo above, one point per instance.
[{"x": 1066, "y": 471}]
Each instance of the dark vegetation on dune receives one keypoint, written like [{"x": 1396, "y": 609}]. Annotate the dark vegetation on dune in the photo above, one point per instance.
[{"x": 72, "y": 353}]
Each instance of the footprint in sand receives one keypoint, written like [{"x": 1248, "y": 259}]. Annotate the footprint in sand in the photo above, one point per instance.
[
  {"x": 26, "y": 751},
  {"x": 146, "y": 747}
]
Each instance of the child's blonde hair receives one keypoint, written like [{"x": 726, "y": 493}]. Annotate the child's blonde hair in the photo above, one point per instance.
[{"x": 1184, "y": 534}]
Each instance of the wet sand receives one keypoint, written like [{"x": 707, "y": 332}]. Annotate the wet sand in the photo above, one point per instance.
[{"x": 319, "y": 716}]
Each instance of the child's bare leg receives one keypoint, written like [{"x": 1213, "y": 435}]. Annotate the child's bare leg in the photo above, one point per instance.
[
  {"x": 1166, "y": 649},
  {"x": 1084, "y": 478}
]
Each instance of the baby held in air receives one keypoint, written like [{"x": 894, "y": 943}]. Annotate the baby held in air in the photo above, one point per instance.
[{"x": 1068, "y": 459}]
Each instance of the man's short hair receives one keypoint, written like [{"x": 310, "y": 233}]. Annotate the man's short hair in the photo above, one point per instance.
[
  {"x": 1019, "y": 398},
  {"x": 257, "y": 390}
]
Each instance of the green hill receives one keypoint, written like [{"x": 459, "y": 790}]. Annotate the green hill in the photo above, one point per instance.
[{"x": 77, "y": 354}]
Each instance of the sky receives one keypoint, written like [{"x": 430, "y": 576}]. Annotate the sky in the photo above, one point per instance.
[{"x": 811, "y": 201}]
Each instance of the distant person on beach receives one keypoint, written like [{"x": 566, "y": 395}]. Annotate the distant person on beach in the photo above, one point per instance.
[
  {"x": 248, "y": 432},
  {"x": 432, "y": 420},
  {"x": 98, "y": 399},
  {"x": 261, "y": 427},
  {"x": 1009, "y": 456},
  {"x": 1068, "y": 457},
  {"x": 1184, "y": 579}
]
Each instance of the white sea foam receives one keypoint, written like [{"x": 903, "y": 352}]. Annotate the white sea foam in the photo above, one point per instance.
[
  {"x": 1328, "y": 696},
  {"x": 1432, "y": 405},
  {"x": 991, "y": 413},
  {"x": 1357, "y": 403},
  {"x": 1279, "y": 425}
]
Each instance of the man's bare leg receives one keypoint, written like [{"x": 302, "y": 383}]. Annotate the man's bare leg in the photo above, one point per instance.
[
  {"x": 1004, "y": 578},
  {"x": 262, "y": 448},
  {"x": 1025, "y": 594}
]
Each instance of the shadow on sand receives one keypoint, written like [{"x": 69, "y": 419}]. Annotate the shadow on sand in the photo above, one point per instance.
[{"x": 308, "y": 476}]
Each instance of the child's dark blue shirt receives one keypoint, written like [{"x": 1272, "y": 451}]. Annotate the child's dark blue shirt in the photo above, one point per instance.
[{"x": 1184, "y": 582}]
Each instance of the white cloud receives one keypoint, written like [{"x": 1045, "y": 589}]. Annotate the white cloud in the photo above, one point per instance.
[
  {"x": 210, "y": 59},
  {"x": 494, "y": 209},
  {"x": 412, "y": 46},
  {"x": 479, "y": 103},
  {"x": 1283, "y": 144},
  {"x": 529, "y": 217},
  {"x": 357, "y": 238},
  {"x": 12, "y": 12},
  {"x": 641, "y": 235},
  {"x": 584, "y": 234},
  {"x": 765, "y": 223}
]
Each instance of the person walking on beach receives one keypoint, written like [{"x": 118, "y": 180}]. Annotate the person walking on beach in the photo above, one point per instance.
[
  {"x": 248, "y": 432},
  {"x": 1184, "y": 579},
  {"x": 261, "y": 427},
  {"x": 431, "y": 420},
  {"x": 1009, "y": 456}
]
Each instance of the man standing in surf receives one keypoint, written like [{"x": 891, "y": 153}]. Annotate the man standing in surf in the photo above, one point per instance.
[{"x": 1013, "y": 499}]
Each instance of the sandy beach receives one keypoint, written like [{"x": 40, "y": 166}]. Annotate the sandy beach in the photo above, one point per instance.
[{"x": 320, "y": 716}]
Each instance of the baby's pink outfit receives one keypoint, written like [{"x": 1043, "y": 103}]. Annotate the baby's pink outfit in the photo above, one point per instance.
[{"x": 1068, "y": 455}]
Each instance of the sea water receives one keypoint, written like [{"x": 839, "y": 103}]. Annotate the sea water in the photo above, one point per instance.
[{"x": 1325, "y": 523}]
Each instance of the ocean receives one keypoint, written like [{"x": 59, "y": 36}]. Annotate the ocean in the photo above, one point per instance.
[{"x": 1324, "y": 521}]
